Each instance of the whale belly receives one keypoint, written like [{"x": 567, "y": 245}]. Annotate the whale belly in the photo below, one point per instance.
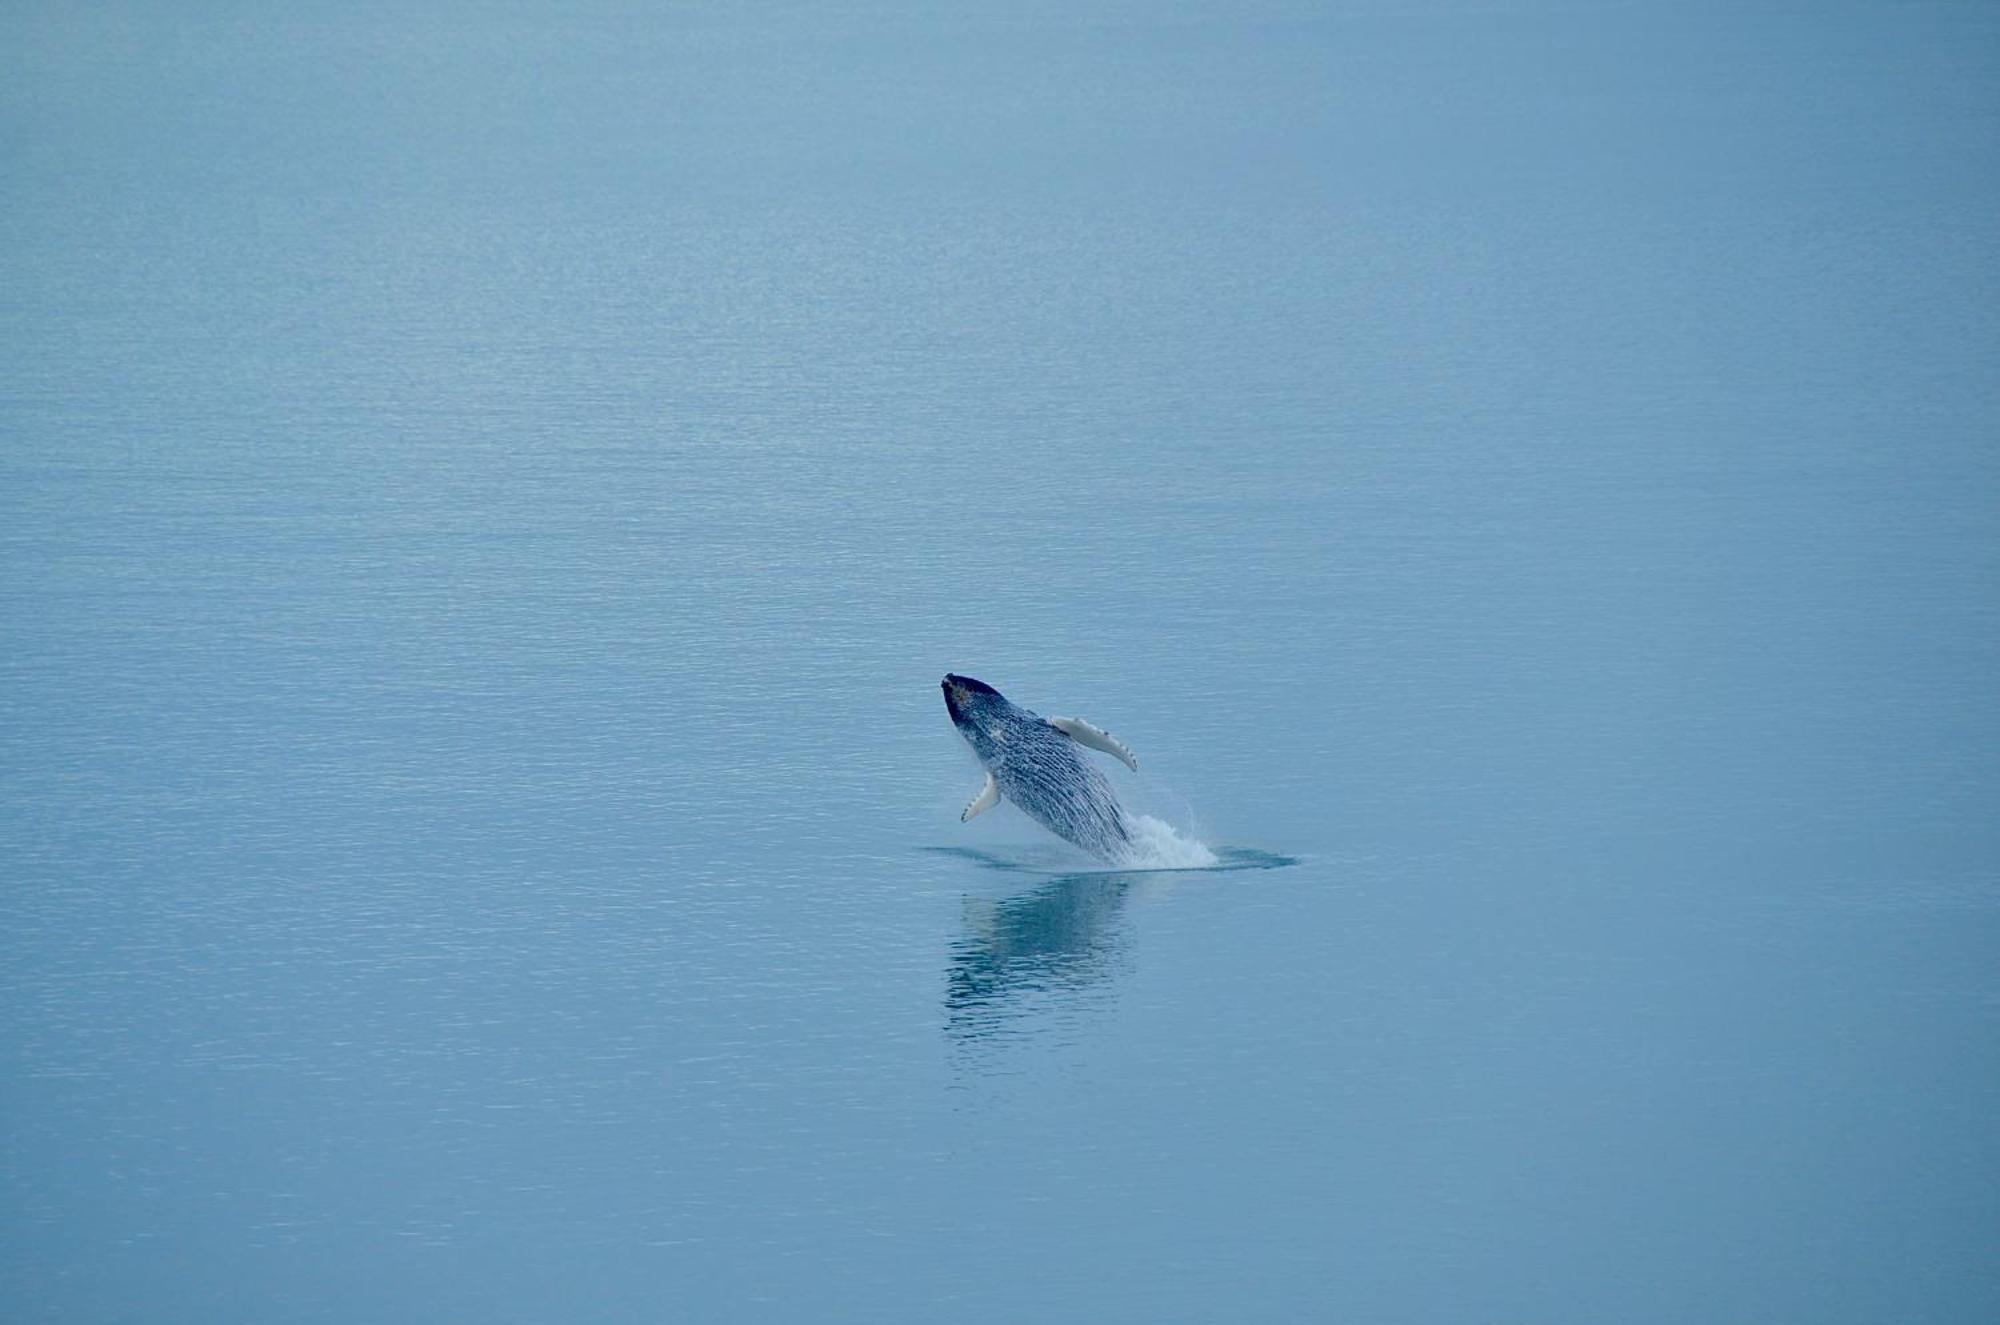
[{"x": 1058, "y": 788}]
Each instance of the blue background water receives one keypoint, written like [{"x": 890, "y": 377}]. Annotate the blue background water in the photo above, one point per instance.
[{"x": 487, "y": 493}]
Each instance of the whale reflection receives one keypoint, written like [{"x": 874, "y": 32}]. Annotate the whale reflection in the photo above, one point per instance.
[
  {"x": 1035, "y": 955},
  {"x": 1033, "y": 950}
]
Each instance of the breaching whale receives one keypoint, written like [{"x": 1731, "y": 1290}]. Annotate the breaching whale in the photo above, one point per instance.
[{"x": 1038, "y": 764}]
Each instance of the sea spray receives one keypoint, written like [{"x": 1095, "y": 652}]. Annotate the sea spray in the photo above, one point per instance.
[{"x": 1157, "y": 845}]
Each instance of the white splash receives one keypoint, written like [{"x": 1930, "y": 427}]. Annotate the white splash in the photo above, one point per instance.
[{"x": 1157, "y": 845}]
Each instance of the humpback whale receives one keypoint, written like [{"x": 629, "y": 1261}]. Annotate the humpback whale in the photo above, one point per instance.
[{"x": 1038, "y": 764}]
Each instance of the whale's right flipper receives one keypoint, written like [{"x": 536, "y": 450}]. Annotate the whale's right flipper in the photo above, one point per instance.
[
  {"x": 985, "y": 800},
  {"x": 1096, "y": 738}
]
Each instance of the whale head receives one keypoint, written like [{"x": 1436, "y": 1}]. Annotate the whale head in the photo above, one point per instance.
[{"x": 969, "y": 701}]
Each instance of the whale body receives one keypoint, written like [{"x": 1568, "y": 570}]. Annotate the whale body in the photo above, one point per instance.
[{"x": 1039, "y": 764}]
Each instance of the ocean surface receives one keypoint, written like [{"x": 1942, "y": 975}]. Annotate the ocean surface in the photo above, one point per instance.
[{"x": 488, "y": 493}]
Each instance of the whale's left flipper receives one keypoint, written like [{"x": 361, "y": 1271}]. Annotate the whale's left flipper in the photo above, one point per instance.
[
  {"x": 988, "y": 796},
  {"x": 1096, "y": 738}
]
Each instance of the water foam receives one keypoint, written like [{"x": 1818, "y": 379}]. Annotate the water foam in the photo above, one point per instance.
[{"x": 1157, "y": 845}]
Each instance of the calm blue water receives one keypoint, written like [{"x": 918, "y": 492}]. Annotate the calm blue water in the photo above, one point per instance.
[{"x": 487, "y": 493}]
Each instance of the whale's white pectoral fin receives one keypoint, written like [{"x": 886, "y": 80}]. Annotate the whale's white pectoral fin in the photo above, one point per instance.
[
  {"x": 985, "y": 800},
  {"x": 1096, "y": 738}
]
